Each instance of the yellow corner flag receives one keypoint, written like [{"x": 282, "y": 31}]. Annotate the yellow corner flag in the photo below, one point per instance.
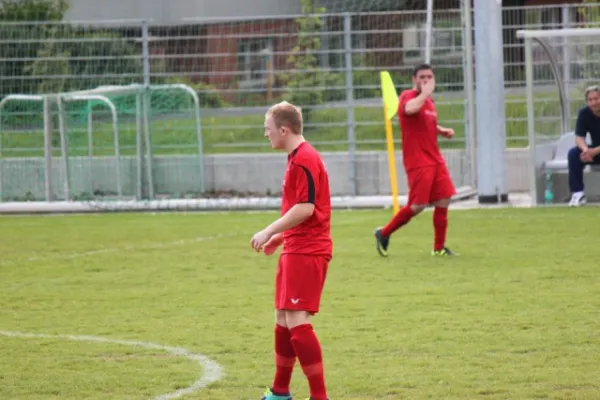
[
  {"x": 390, "y": 97},
  {"x": 390, "y": 108}
]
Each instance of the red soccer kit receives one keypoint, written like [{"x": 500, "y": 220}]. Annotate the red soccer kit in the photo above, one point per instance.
[
  {"x": 307, "y": 248},
  {"x": 426, "y": 171}
]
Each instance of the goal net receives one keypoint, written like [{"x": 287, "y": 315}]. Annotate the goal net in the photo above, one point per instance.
[
  {"x": 102, "y": 146},
  {"x": 559, "y": 65}
]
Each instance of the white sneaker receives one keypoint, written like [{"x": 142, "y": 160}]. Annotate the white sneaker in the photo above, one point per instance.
[{"x": 577, "y": 199}]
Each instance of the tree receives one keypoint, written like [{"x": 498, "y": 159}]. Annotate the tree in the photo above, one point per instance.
[
  {"x": 33, "y": 10},
  {"x": 306, "y": 82},
  {"x": 336, "y": 6},
  {"x": 20, "y": 46}
]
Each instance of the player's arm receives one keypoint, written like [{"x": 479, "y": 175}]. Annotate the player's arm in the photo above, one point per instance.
[
  {"x": 414, "y": 105},
  {"x": 294, "y": 217},
  {"x": 581, "y": 132},
  {"x": 303, "y": 183},
  {"x": 445, "y": 132}
]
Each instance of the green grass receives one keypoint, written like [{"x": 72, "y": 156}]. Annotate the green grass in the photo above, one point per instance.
[
  {"x": 232, "y": 134},
  {"x": 514, "y": 316}
]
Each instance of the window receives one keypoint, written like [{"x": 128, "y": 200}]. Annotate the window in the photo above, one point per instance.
[{"x": 253, "y": 57}]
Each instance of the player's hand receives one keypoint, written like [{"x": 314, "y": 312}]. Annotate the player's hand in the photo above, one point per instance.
[
  {"x": 428, "y": 87},
  {"x": 587, "y": 156},
  {"x": 259, "y": 240},
  {"x": 271, "y": 246},
  {"x": 448, "y": 133}
]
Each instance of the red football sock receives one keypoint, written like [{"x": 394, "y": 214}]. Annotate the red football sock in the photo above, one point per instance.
[
  {"x": 310, "y": 356},
  {"x": 440, "y": 226},
  {"x": 285, "y": 358},
  {"x": 401, "y": 218}
]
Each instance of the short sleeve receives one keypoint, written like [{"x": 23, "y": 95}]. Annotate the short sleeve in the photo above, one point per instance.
[
  {"x": 581, "y": 129},
  {"x": 303, "y": 176},
  {"x": 405, "y": 97}
]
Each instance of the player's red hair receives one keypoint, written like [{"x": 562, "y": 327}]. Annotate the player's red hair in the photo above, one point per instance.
[{"x": 288, "y": 115}]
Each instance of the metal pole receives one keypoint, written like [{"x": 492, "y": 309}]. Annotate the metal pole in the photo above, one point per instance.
[
  {"x": 530, "y": 121},
  {"x": 90, "y": 130},
  {"x": 146, "y": 108},
  {"x": 566, "y": 22},
  {"x": 115, "y": 123},
  {"x": 469, "y": 92},
  {"x": 139, "y": 144},
  {"x": 428, "y": 31},
  {"x": 91, "y": 147},
  {"x": 350, "y": 101},
  {"x": 470, "y": 126},
  {"x": 62, "y": 129},
  {"x": 147, "y": 141},
  {"x": 48, "y": 148},
  {"x": 146, "y": 53},
  {"x": 491, "y": 141}
]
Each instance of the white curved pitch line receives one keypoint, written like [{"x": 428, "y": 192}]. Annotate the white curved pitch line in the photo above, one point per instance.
[{"x": 212, "y": 370}]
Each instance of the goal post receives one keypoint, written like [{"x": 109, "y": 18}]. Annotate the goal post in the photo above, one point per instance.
[
  {"x": 103, "y": 145},
  {"x": 559, "y": 64}
]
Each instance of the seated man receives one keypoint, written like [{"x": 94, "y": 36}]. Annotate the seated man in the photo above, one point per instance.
[{"x": 588, "y": 121}]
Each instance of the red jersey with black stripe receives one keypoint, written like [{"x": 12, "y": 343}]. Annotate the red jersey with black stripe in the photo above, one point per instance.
[{"x": 306, "y": 181}]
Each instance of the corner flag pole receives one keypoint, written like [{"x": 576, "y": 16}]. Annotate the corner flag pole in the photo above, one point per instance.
[{"x": 390, "y": 107}]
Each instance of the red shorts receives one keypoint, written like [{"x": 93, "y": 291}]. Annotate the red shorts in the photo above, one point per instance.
[
  {"x": 299, "y": 282},
  {"x": 426, "y": 185}
]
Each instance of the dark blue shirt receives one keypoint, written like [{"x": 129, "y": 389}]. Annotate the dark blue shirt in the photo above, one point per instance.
[{"x": 587, "y": 121}]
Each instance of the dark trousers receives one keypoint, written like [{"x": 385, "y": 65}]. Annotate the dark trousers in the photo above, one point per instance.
[{"x": 576, "y": 167}]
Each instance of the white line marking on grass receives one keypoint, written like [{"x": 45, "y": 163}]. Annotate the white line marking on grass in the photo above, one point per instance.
[
  {"x": 212, "y": 371},
  {"x": 149, "y": 246}
]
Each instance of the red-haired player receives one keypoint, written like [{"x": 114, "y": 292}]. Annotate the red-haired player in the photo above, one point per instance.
[{"x": 304, "y": 230}]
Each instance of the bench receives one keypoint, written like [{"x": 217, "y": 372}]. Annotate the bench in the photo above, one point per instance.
[{"x": 559, "y": 165}]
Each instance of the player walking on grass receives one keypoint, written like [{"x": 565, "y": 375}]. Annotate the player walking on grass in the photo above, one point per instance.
[
  {"x": 428, "y": 178},
  {"x": 304, "y": 231}
]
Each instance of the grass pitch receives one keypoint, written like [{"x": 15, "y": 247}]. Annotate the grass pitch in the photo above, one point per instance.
[{"x": 516, "y": 315}]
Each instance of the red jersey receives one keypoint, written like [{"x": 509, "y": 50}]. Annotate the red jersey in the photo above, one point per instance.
[
  {"x": 419, "y": 133},
  {"x": 306, "y": 181}
]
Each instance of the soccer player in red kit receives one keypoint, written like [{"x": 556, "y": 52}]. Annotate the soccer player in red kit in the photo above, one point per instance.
[
  {"x": 428, "y": 178},
  {"x": 304, "y": 231}
]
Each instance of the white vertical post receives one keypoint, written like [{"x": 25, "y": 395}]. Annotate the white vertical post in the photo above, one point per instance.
[
  {"x": 90, "y": 147},
  {"x": 62, "y": 129},
  {"x": 350, "y": 101},
  {"x": 428, "y": 31},
  {"x": 566, "y": 58},
  {"x": 139, "y": 145},
  {"x": 48, "y": 148},
  {"x": 90, "y": 130},
  {"x": 470, "y": 91},
  {"x": 530, "y": 121},
  {"x": 146, "y": 108},
  {"x": 491, "y": 132}
]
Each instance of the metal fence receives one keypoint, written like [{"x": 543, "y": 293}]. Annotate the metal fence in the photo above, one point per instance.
[{"x": 327, "y": 63}]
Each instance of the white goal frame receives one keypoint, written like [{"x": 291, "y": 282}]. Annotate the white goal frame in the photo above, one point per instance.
[
  {"x": 540, "y": 37},
  {"x": 101, "y": 94}
]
